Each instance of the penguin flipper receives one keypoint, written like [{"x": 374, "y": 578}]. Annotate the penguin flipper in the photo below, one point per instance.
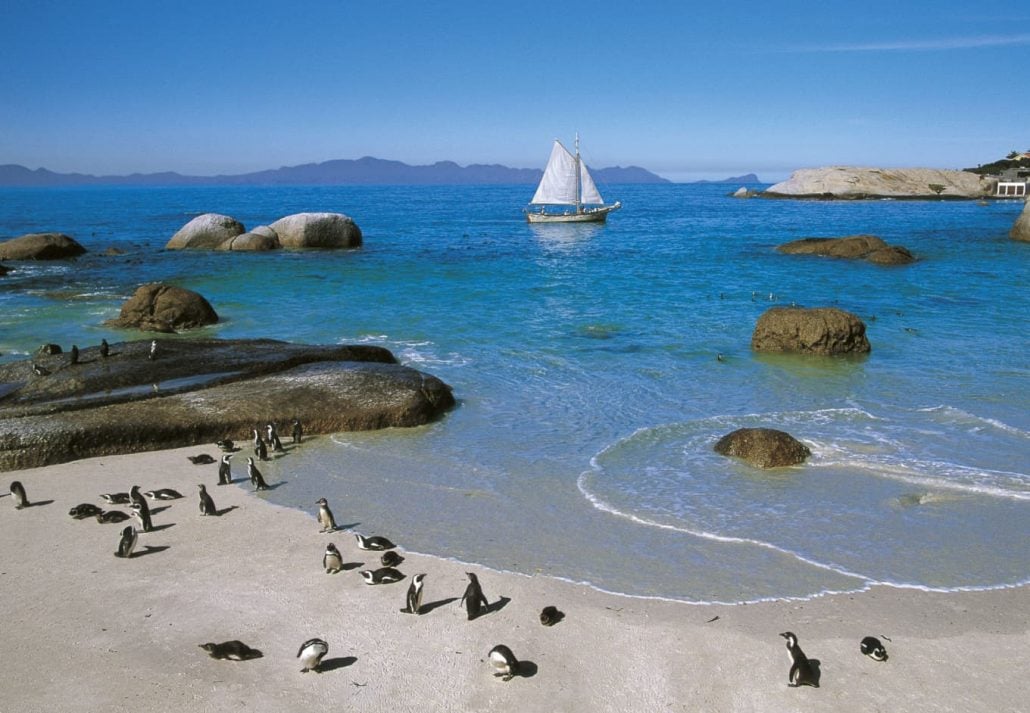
[{"x": 792, "y": 677}]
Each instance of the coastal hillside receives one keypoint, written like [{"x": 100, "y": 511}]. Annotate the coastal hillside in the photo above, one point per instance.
[
  {"x": 851, "y": 182},
  {"x": 362, "y": 171}
]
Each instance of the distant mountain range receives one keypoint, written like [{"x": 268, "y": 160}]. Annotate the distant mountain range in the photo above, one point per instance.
[
  {"x": 363, "y": 171},
  {"x": 746, "y": 178}
]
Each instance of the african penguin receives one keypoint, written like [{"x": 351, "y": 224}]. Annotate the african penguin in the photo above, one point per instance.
[
  {"x": 256, "y": 478},
  {"x": 311, "y": 653},
  {"x": 84, "y": 510},
  {"x": 163, "y": 494},
  {"x": 550, "y": 616},
  {"x": 298, "y": 431},
  {"x": 127, "y": 543},
  {"x": 231, "y": 650},
  {"x": 73, "y": 355},
  {"x": 202, "y": 459},
  {"x": 18, "y": 495},
  {"x": 273, "y": 439},
  {"x": 374, "y": 543},
  {"x": 325, "y": 516},
  {"x": 260, "y": 449},
  {"x": 226, "y": 444},
  {"x": 383, "y": 575},
  {"x": 153, "y": 350},
  {"x": 116, "y": 498},
  {"x": 413, "y": 600},
  {"x": 39, "y": 370},
  {"x": 801, "y": 671},
  {"x": 332, "y": 561},
  {"x": 142, "y": 514},
  {"x": 473, "y": 598},
  {"x": 224, "y": 470},
  {"x": 105, "y": 349},
  {"x": 872, "y": 648},
  {"x": 207, "y": 505},
  {"x": 112, "y": 516},
  {"x": 504, "y": 662},
  {"x": 390, "y": 559},
  {"x": 136, "y": 497}
]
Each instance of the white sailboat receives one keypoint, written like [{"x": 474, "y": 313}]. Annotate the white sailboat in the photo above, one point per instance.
[{"x": 567, "y": 193}]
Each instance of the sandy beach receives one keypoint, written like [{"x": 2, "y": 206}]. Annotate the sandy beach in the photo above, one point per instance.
[{"x": 84, "y": 630}]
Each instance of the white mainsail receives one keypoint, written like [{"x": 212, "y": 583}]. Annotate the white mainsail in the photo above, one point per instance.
[{"x": 559, "y": 184}]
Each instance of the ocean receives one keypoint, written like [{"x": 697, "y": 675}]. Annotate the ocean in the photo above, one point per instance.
[{"x": 584, "y": 362}]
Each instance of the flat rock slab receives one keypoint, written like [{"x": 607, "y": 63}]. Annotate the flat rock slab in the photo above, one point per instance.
[
  {"x": 200, "y": 391},
  {"x": 868, "y": 247}
]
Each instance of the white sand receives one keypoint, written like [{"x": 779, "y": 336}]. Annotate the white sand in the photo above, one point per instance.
[{"x": 84, "y": 630}]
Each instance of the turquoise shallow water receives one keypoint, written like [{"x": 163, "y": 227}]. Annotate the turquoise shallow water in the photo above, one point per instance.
[{"x": 584, "y": 362}]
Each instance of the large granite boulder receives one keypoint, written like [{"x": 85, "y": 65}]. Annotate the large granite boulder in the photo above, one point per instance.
[
  {"x": 157, "y": 307},
  {"x": 206, "y": 232},
  {"x": 317, "y": 230},
  {"x": 763, "y": 447},
  {"x": 40, "y": 246},
  {"x": 1021, "y": 230},
  {"x": 868, "y": 247},
  {"x": 854, "y": 183},
  {"x": 260, "y": 239},
  {"x": 799, "y": 330},
  {"x": 200, "y": 391}
]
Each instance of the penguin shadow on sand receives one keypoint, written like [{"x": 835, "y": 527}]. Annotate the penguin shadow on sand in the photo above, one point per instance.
[
  {"x": 497, "y": 606},
  {"x": 148, "y": 550},
  {"x": 33, "y": 504},
  {"x": 348, "y": 566},
  {"x": 223, "y": 511},
  {"x": 338, "y": 662},
  {"x": 158, "y": 528},
  {"x": 526, "y": 669},
  {"x": 430, "y": 606}
]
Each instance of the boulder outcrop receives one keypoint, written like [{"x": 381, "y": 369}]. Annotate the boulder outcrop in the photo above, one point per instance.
[
  {"x": 200, "y": 391},
  {"x": 763, "y": 447},
  {"x": 868, "y": 247},
  {"x": 317, "y": 230},
  {"x": 41, "y": 246},
  {"x": 1021, "y": 230},
  {"x": 206, "y": 232},
  {"x": 851, "y": 182},
  {"x": 156, "y": 307},
  {"x": 826, "y": 331},
  {"x": 260, "y": 239}
]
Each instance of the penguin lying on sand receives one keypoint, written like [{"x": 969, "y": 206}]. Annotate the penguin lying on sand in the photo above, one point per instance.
[
  {"x": 231, "y": 650},
  {"x": 872, "y": 648}
]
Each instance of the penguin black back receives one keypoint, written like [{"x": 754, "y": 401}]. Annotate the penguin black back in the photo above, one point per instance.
[
  {"x": 225, "y": 470},
  {"x": 18, "y": 495},
  {"x": 550, "y": 616},
  {"x": 473, "y": 598},
  {"x": 504, "y": 662},
  {"x": 801, "y": 673},
  {"x": 413, "y": 599},
  {"x": 872, "y": 648},
  {"x": 231, "y": 650},
  {"x": 207, "y": 505},
  {"x": 127, "y": 543}
]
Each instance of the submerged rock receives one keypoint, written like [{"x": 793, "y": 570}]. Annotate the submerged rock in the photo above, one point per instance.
[
  {"x": 763, "y": 447},
  {"x": 206, "y": 232},
  {"x": 199, "y": 392},
  {"x": 868, "y": 247},
  {"x": 317, "y": 230},
  {"x": 41, "y": 246},
  {"x": 1021, "y": 230},
  {"x": 157, "y": 307},
  {"x": 823, "y": 330}
]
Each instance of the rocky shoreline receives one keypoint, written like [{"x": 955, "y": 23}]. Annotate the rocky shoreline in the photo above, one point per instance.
[{"x": 859, "y": 183}]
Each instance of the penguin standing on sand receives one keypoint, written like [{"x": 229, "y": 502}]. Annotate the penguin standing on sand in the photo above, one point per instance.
[
  {"x": 73, "y": 355},
  {"x": 413, "y": 600},
  {"x": 473, "y": 598},
  {"x": 273, "y": 439},
  {"x": 127, "y": 543},
  {"x": 224, "y": 471},
  {"x": 260, "y": 449},
  {"x": 256, "y": 478},
  {"x": 18, "y": 495},
  {"x": 105, "y": 349},
  {"x": 872, "y": 648},
  {"x": 801, "y": 671},
  {"x": 135, "y": 496},
  {"x": 142, "y": 514},
  {"x": 298, "y": 431},
  {"x": 207, "y": 505},
  {"x": 332, "y": 560},
  {"x": 325, "y": 516},
  {"x": 311, "y": 653},
  {"x": 504, "y": 662}
]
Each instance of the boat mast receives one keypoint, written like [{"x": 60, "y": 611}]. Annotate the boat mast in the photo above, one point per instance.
[{"x": 579, "y": 188}]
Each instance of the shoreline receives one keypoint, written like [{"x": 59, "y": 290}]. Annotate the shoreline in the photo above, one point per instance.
[{"x": 83, "y": 629}]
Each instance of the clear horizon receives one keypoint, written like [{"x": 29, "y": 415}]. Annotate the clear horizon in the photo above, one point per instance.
[{"x": 686, "y": 92}]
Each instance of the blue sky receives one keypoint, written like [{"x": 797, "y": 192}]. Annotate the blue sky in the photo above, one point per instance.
[{"x": 688, "y": 90}]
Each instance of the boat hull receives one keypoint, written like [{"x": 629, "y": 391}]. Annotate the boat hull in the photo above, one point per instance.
[{"x": 594, "y": 215}]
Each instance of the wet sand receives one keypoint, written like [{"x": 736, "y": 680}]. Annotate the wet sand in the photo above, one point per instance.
[{"x": 82, "y": 629}]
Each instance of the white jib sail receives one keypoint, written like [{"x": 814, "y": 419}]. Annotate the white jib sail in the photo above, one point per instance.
[
  {"x": 587, "y": 187},
  {"x": 558, "y": 186}
]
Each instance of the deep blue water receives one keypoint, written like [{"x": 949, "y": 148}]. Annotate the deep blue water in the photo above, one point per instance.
[{"x": 590, "y": 395}]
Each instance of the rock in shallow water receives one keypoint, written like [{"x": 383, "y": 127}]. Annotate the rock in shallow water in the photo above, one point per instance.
[
  {"x": 40, "y": 246},
  {"x": 157, "y": 307},
  {"x": 1021, "y": 230},
  {"x": 763, "y": 447},
  {"x": 825, "y": 330}
]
